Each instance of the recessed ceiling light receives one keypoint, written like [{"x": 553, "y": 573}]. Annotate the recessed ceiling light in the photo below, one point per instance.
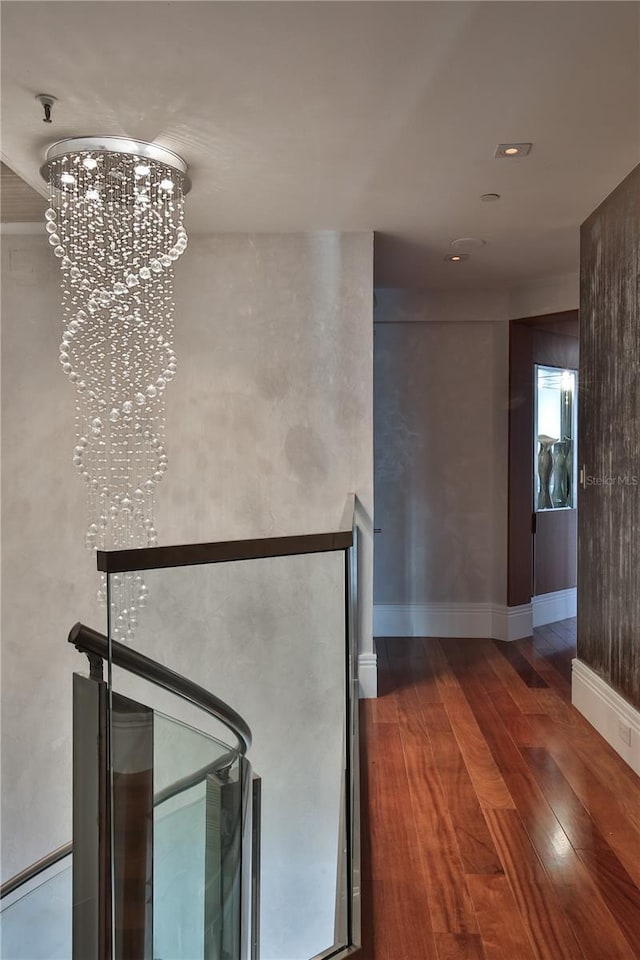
[
  {"x": 456, "y": 257},
  {"x": 490, "y": 197},
  {"x": 468, "y": 243},
  {"x": 513, "y": 149}
]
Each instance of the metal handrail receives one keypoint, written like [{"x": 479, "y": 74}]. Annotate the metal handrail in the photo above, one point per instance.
[
  {"x": 96, "y": 644},
  {"x": 35, "y": 868},
  {"x": 219, "y": 766}
]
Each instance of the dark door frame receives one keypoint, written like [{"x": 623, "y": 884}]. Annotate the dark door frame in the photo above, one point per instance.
[{"x": 541, "y": 339}]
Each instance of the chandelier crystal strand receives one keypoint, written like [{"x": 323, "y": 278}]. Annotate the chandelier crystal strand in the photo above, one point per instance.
[{"x": 116, "y": 223}]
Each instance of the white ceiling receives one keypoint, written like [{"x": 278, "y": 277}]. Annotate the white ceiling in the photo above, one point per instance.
[{"x": 352, "y": 115}]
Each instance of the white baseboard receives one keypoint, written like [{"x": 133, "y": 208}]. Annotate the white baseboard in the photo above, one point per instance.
[
  {"x": 368, "y": 675},
  {"x": 613, "y": 717},
  {"x": 512, "y": 623},
  {"x": 477, "y": 620},
  {"x": 551, "y": 607}
]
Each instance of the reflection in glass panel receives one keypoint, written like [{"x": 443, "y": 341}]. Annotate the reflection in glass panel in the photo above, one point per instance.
[
  {"x": 177, "y": 829},
  {"x": 197, "y": 825},
  {"x": 178, "y": 876},
  {"x": 37, "y": 926},
  {"x": 555, "y": 432}
]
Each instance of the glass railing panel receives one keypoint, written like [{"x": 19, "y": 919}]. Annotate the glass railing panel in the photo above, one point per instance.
[
  {"x": 196, "y": 845},
  {"x": 268, "y": 636},
  {"x": 181, "y": 751},
  {"x": 177, "y": 827},
  {"x": 35, "y": 921}
]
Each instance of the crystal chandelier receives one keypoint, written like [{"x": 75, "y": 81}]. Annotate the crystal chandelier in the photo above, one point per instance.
[{"x": 115, "y": 222}]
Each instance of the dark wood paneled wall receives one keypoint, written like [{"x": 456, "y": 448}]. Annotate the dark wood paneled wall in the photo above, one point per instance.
[
  {"x": 520, "y": 556},
  {"x": 555, "y": 560},
  {"x": 551, "y": 339},
  {"x": 609, "y": 441}
]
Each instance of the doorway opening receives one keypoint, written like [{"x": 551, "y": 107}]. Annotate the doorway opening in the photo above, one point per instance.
[{"x": 543, "y": 495}]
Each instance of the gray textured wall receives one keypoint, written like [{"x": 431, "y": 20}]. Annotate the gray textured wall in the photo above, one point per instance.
[
  {"x": 269, "y": 427},
  {"x": 440, "y": 458},
  {"x": 609, "y": 441}
]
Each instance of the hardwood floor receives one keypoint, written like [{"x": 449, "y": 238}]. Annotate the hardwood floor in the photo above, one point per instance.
[{"x": 497, "y": 824}]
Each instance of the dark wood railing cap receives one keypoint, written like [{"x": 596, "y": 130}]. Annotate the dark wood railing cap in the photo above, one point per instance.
[{"x": 153, "y": 558}]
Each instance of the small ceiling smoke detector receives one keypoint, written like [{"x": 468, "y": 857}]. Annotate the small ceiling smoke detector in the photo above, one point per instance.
[
  {"x": 456, "y": 257},
  {"x": 468, "y": 243},
  {"x": 490, "y": 197},
  {"x": 513, "y": 149}
]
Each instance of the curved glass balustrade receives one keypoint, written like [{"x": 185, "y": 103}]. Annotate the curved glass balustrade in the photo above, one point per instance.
[
  {"x": 35, "y": 920},
  {"x": 177, "y": 836},
  {"x": 179, "y": 851},
  {"x": 187, "y": 837}
]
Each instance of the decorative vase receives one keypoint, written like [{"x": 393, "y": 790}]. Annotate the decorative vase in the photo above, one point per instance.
[
  {"x": 545, "y": 466},
  {"x": 561, "y": 473},
  {"x": 569, "y": 461}
]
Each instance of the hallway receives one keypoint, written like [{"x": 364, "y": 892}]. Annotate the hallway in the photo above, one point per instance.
[{"x": 500, "y": 825}]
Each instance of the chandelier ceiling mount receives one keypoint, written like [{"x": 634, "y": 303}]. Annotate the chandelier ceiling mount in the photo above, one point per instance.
[{"x": 137, "y": 149}]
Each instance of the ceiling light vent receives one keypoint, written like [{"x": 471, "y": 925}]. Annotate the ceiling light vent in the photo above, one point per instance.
[
  {"x": 511, "y": 150},
  {"x": 456, "y": 257},
  {"x": 468, "y": 243}
]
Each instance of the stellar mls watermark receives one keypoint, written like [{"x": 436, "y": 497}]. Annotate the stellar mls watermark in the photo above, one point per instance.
[{"x": 604, "y": 480}]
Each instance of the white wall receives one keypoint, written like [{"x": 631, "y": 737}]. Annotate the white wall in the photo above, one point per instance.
[
  {"x": 269, "y": 427},
  {"x": 547, "y": 295},
  {"x": 535, "y": 298},
  {"x": 441, "y": 429},
  {"x": 443, "y": 306},
  {"x": 440, "y": 454},
  {"x": 441, "y": 422}
]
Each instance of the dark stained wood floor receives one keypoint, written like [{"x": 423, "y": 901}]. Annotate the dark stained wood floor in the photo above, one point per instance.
[{"x": 497, "y": 824}]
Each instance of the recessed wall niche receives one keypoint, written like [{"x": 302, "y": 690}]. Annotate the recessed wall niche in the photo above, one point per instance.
[{"x": 554, "y": 437}]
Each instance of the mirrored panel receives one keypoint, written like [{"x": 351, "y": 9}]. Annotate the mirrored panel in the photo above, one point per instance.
[{"x": 554, "y": 438}]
